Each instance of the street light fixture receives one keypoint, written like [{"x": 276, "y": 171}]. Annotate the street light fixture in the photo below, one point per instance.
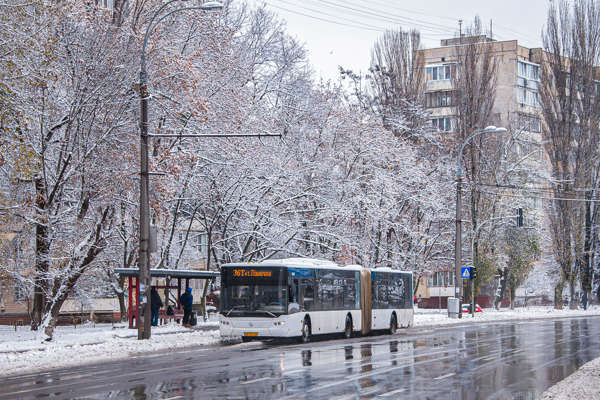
[
  {"x": 458, "y": 289},
  {"x": 144, "y": 254}
]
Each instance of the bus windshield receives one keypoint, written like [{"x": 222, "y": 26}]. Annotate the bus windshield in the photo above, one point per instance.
[
  {"x": 254, "y": 291},
  {"x": 254, "y": 300}
]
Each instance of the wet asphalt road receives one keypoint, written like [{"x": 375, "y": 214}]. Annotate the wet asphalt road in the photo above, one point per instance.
[{"x": 510, "y": 360}]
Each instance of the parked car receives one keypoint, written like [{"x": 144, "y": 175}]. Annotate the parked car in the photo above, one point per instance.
[{"x": 466, "y": 308}]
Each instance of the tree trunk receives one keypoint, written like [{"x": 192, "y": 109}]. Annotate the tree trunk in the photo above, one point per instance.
[
  {"x": 587, "y": 262},
  {"x": 121, "y": 296},
  {"x": 51, "y": 317},
  {"x": 502, "y": 289},
  {"x": 558, "y": 290},
  {"x": 42, "y": 250},
  {"x": 572, "y": 296},
  {"x": 203, "y": 301},
  {"x": 511, "y": 293}
]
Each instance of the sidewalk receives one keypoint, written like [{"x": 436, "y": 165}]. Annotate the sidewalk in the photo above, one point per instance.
[{"x": 582, "y": 384}]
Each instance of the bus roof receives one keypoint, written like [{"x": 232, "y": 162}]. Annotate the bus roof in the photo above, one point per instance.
[
  {"x": 296, "y": 262},
  {"x": 388, "y": 269},
  {"x": 310, "y": 263}
]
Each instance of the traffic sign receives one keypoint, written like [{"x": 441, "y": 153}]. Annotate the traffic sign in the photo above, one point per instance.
[{"x": 465, "y": 273}]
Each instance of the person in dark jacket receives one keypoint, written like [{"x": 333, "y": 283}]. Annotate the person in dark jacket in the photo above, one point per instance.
[
  {"x": 186, "y": 300},
  {"x": 155, "y": 305}
]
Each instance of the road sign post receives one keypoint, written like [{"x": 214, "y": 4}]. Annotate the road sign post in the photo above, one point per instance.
[{"x": 473, "y": 295}]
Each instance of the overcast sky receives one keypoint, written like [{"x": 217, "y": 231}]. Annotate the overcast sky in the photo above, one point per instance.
[{"x": 342, "y": 32}]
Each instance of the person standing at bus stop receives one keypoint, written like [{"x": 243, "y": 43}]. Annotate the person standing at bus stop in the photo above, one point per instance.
[
  {"x": 186, "y": 300},
  {"x": 155, "y": 305}
]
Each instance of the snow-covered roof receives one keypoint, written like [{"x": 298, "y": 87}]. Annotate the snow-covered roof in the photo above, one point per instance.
[
  {"x": 173, "y": 273},
  {"x": 388, "y": 269},
  {"x": 310, "y": 263}
]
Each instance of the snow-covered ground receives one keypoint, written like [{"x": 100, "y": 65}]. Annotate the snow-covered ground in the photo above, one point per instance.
[
  {"x": 23, "y": 351},
  {"x": 582, "y": 384},
  {"x": 428, "y": 317}
]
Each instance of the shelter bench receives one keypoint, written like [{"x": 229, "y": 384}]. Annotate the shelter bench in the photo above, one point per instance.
[{"x": 163, "y": 317}]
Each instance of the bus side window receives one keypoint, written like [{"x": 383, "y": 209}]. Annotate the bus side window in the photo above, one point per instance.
[
  {"x": 309, "y": 294},
  {"x": 293, "y": 297}
]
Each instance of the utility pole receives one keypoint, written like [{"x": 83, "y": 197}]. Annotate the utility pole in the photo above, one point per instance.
[
  {"x": 144, "y": 278},
  {"x": 458, "y": 286},
  {"x": 144, "y": 255}
]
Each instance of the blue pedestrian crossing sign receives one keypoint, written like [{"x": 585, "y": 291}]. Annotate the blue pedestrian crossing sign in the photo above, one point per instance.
[{"x": 465, "y": 272}]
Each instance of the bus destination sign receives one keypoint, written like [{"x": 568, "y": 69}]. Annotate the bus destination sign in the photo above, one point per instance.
[{"x": 251, "y": 273}]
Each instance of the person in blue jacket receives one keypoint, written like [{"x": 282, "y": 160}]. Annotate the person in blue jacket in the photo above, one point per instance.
[
  {"x": 186, "y": 301},
  {"x": 155, "y": 305}
]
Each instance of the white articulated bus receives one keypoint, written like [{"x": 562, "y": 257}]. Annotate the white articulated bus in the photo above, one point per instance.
[{"x": 299, "y": 297}]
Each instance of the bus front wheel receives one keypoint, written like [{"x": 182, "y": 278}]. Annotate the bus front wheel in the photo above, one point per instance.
[
  {"x": 305, "y": 331},
  {"x": 393, "y": 324}
]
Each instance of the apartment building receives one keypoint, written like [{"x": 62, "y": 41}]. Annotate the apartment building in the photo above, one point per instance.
[
  {"x": 517, "y": 81},
  {"x": 516, "y": 107}
]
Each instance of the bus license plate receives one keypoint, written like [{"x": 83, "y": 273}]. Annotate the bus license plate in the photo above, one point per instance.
[{"x": 250, "y": 333}]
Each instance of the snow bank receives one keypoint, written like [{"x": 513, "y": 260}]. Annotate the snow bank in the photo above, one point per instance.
[
  {"x": 22, "y": 351},
  {"x": 428, "y": 317},
  {"x": 582, "y": 384}
]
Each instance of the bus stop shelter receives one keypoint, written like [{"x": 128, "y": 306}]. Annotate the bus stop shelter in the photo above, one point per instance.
[{"x": 132, "y": 274}]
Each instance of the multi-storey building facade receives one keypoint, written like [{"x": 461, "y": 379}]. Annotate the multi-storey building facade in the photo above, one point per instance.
[
  {"x": 517, "y": 82},
  {"x": 516, "y": 107}
]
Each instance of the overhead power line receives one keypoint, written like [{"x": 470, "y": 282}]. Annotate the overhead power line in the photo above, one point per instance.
[
  {"x": 363, "y": 15},
  {"x": 538, "y": 197},
  {"x": 327, "y": 20},
  {"x": 345, "y": 19}
]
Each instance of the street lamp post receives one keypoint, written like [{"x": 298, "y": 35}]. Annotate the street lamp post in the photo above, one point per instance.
[
  {"x": 144, "y": 253},
  {"x": 458, "y": 289}
]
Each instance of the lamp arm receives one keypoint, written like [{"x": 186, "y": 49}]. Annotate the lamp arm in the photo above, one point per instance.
[
  {"x": 151, "y": 28},
  {"x": 152, "y": 25}
]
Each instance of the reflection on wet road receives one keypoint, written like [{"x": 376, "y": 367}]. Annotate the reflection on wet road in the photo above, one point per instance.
[{"x": 490, "y": 361}]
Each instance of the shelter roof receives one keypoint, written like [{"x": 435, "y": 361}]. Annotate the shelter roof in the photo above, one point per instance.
[{"x": 172, "y": 273}]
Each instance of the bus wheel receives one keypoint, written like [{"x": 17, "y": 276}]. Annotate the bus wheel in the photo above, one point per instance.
[
  {"x": 393, "y": 324},
  {"x": 305, "y": 331},
  {"x": 348, "y": 329}
]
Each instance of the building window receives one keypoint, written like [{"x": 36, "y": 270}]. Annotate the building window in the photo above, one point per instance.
[
  {"x": 528, "y": 77},
  {"x": 441, "y": 279},
  {"x": 438, "y": 99},
  {"x": 527, "y": 97},
  {"x": 442, "y": 124},
  {"x": 20, "y": 294},
  {"x": 440, "y": 72},
  {"x": 201, "y": 243},
  {"x": 529, "y": 123},
  {"x": 108, "y": 4},
  {"x": 528, "y": 71}
]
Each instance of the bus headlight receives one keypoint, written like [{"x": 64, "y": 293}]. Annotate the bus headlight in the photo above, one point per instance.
[
  {"x": 279, "y": 323},
  {"x": 225, "y": 322}
]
